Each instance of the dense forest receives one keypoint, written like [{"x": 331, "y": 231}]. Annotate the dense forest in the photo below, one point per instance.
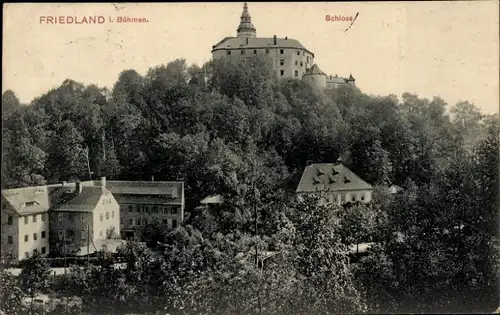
[{"x": 237, "y": 131}]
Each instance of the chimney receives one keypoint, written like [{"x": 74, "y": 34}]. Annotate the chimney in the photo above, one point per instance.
[
  {"x": 78, "y": 187},
  {"x": 286, "y": 37},
  {"x": 64, "y": 183},
  {"x": 275, "y": 40},
  {"x": 103, "y": 182},
  {"x": 152, "y": 178}
]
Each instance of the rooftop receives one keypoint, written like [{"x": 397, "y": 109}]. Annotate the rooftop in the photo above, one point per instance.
[
  {"x": 86, "y": 201},
  {"x": 330, "y": 177},
  {"x": 314, "y": 70},
  {"x": 258, "y": 42}
]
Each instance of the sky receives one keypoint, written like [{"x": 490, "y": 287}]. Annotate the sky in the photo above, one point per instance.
[{"x": 445, "y": 49}]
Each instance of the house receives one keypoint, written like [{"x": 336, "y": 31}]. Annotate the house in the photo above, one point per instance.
[
  {"x": 335, "y": 182},
  {"x": 83, "y": 214},
  {"x": 24, "y": 223},
  {"x": 142, "y": 202}
]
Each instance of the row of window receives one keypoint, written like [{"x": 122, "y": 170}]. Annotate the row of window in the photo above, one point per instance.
[
  {"x": 343, "y": 198},
  {"x": 137, "y": 221},
  {"x": 26, "y": 237},
  {"x": 282, "y": 62},
  {"x": 101, "y": 233},
  {"x": 10, "y": 219},
  {"x": 106, "y": 201},
  {"x": 282, "y": 51},
  {"x": 282, "y": 72},
  {"x": 35, "y": 251},
  {"x": 83, "y": 217},
  {"x": 83, "y": 234},
  {"x": 107, "y": 215},
  {"x": 153, "y": 209}
]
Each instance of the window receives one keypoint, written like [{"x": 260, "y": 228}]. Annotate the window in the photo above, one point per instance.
[
  {"x": 34, "y": 218},
  {"x": 138, "y": 209},
  {"x": 61, "y": 234},
  {"x": 43, "y": 250},
  {"x": 173, "y": 210},
  {"x": 155, "y": 209},
  {"x": 138, "y": 221},
  {"x": 107, "y": 215},
  {"x": 9, "y": 239},
  {"x": 25, "y": 220},
  {"x": 296, "y": 62},
  {"x": 43, "y": 234},
  {"x": 282, "y": 72},
  {"x": 282, "y": 51},
  {"x": 228, "y": 52},
  {"x": 131, "y": 222},
  {"x": 174, "y": 224},
  {"x": 242, "y": 52},
  {"x": 83, "y": 234},
  {"x": 303, "y": 53},
  {"x": 298, "y": 53},
  {"x": 82, "y": 217},
  {"x": 60, "y": 217},
  {"x": 301, "y": 64},
  {"x": 43, "y": 217},
  {"x": 296, "y": 73},
  {"x": 267, "y": 50},
  {"x": 35, "y": 251},
  {"x": 146, "y": 209},
  {"x": 353, "y": 198},
  {"x": 282, "y": 62},
  {"x": 26, "y": 238},
  {"x": 363, "y": 197},
  {"x": 35, "y": 236},
  {"x": 9, "y": 220},
  {"x": 100, "y": 217},
  {"x": 255, "y": 52},
  {"x": 72, "y": 217},
  {"x": 145, "y": 222},
  {"x": 342, "y": 198},
  {"x": 130, "y": 209},
  {"x": 112, "y": 214}
]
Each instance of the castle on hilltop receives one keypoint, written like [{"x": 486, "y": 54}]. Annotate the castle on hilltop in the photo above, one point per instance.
[{"x": 291, "y": 60}]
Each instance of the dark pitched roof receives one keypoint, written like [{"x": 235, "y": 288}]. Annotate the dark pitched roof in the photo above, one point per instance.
[
  {"x": 171, "y": 189},
  {"x": 258, "y": 42},
  {"x": 330, "y": 177},
  {"x": 86, "y": 201},
  {"x": 314, "y": 70},
  {"x": 28, "y": 200}
]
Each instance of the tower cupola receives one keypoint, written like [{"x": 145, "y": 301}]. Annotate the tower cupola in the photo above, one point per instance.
[{"x": 246, "y": 28}]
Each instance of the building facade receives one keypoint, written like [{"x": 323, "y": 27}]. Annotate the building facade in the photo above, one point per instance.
[
  {"x": 335, "y": 183},
  {"x": 24, "y": 223},
  {"x": 84, "y": 214},
  {"x": 290, "y": 59},
  {"x": 144, "y": 202}
]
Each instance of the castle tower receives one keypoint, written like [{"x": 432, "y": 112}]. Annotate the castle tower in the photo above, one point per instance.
[
  {"x": 315, "y": 76},
  {"x": 351, "y": 80},
  {"x": 246, "y": 28}
]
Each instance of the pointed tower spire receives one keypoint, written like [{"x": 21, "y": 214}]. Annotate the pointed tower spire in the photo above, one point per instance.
[{"x": 246, "y": 28}]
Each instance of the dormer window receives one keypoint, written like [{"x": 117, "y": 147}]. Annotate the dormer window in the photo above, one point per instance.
[
  {"x": 331, "y": 180},
  {"x": 346, "y": 180},
  {"x": 31, "y": 203},
  {"x": 334, "y": 172},
  {"x": 319, "y": 172},
  {"x": 316, "y": 180}
]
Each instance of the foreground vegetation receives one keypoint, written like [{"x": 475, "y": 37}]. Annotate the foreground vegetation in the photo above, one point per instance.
[{"x": 242, "y": 135}]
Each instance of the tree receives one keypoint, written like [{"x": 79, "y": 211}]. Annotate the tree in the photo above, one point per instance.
[{"x": 34, "y": 276}]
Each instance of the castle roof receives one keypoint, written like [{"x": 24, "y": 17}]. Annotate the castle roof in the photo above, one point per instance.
[
  {"x": 258, "y": 42},
  {"x": 330, "y": 177},
  {"x": 314, "y": 70},
  {"x": 337, "y": 80}
]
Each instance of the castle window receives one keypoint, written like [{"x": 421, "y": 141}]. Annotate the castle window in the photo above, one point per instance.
[
  {"x": 282, "y": 62},
  {"x": 296, "y": 62},
  {"x": 242, "y": 52},
  {"x": 296, "y": 73},
  {"x": 228, "y": 52},
  {"x": 298, "y": 53},
  {"x": 301, "y": 64},
  {"x": 282, "y": 72},
  {"x": 9, "y": 220},
  {"x": 303, "y": 53},
  {"x": 282, "y": 51},
  {"x": 267, "y": 50},
  {"x": 107, "y": 215},
  {"x": 255, "y": 52},
  {"x": 43, "y": 234},
  {"x": 26, "y": 220},
  {"x": 9, "y": 239},
  {"x": 34, "y": 236},
  {"x": 43, "y": 250},
  {"x": 82, "y": 217},
  {"x": 34, "y": 218}
]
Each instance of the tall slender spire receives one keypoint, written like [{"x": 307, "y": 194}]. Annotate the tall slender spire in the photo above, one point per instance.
[{"x": 246, "y": 28}]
